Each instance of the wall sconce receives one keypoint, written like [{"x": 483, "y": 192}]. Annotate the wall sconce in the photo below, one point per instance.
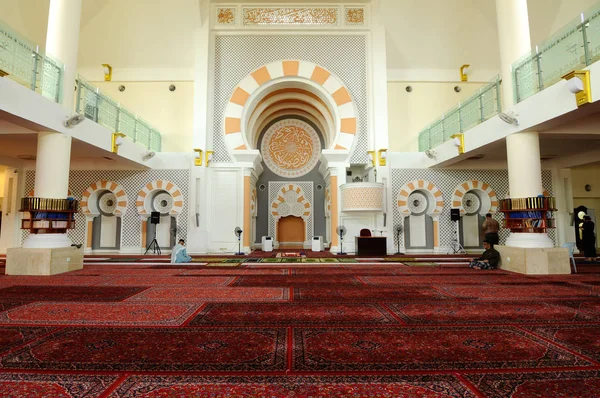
[
  {"x": 382, "y": 155},
  {"x": 459, "y": 142},
  {"x": 107, "y": 72},
  {"x": 209, "y": 157},
  {"x": 372, "y": 155},
  {"x": 578, "y": 82},
  {"x": 117, "y": 141},
  {"x": 198, "y": 157},
  {"x": 464, "y": 72}
]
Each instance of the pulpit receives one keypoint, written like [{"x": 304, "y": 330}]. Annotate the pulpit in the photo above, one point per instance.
[{"x": 371, "y": 245}]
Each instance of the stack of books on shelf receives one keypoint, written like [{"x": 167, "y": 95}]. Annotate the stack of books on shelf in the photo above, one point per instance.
[
  {"x": 37, "y": 204},
  {"x": 545, "y": 203}
]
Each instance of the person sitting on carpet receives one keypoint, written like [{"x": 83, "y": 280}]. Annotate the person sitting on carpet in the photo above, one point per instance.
[
  {"x": 488, "y": 260},
  {"x": 179, "y": 253}
]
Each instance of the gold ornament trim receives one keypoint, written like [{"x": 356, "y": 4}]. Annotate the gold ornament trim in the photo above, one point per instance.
[
  {"x": 355, "y": 16},
  {"x": 290, "y": 16},
  {"x": 226, "y": 16}
]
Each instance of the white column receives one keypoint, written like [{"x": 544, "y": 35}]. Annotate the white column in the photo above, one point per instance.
[
  {"x": 525, "y": 181},
  {"x": 514, "y": 40},
  {"x": 62, "y": 42},
  {"x": 54, "y": 149}
]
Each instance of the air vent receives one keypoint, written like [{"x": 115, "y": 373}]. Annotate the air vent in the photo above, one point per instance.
[
  {"x": 476, "y": 157},
  {"x": 547, "y": 157},
  {"x": 26, "y": 157},
  {"x": 107, "y": 158}
]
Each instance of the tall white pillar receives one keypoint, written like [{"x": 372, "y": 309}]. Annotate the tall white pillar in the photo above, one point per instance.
[
  {"x": 62, "y": 42},
  {"x": 54, "y": 149},
  {"x": 523, "y": 149},
  {"x": 514, "y": 40}
]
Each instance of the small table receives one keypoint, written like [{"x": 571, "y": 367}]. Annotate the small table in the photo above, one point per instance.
[{"x": 371, "y": 245}]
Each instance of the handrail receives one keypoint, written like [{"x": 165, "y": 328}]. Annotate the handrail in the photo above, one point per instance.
[
  {"x": 23, "y": 62},
  {"x": 575, "y": 46},
  {"x": 107, "y": 112},
  {"x": 478, "y": 108}
]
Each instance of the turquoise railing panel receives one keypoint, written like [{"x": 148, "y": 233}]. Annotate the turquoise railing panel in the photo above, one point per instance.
[
  {"x": 424, "y": 143},
  {"x": 575, "y": 46},
  {"x": 478, "y": 108},
  {"x": 25, "y": 64},
  {"x": 107, "y": 112}
]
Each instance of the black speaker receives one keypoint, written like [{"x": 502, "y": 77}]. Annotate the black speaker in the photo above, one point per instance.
[
  {"x": 155, "y": 217},
  {"x": 455, "y": 214}
]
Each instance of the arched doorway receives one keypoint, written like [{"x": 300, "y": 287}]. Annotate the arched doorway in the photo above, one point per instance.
[{"x": 291, "y": 232}]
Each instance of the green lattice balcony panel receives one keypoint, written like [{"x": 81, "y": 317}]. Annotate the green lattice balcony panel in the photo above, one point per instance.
[
  {"x": 142, "y": 132},
  {"x": 155, "y": 141},
  {"x": 87, "y": 101},
  {"x": 52, "y": 76},
  {"x": 451, "y": 123},
  {"x": 470, "y": 112},
  {"x": 17, "y": 57},
  {"x": 127, "y": 123},
  {"x": 108, "y": 112},
  {"x": 592, "y": 31},
  {"x": 424, "y": 140},
  {"x": 489, "y": 102},
  {"x": 562, "y": 53},
  {"x": 436, "y": 133},
  {"x": 526, "y": 77}
]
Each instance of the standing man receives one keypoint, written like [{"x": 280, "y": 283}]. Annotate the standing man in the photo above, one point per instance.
[{"x": 491, "y": 228}]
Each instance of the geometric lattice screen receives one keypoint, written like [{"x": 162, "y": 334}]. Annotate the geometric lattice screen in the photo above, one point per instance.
[
  {"x": 132, "y": 182},
  {"x": 447, "y": 181},
  {"x": 237, "y": 56}
]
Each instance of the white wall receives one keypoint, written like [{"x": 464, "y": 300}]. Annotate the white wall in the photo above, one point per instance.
[
  {"x": 171, "y": 112},
  {"x": 589, "y": 174},
  {"x": 409, "y": 113}
]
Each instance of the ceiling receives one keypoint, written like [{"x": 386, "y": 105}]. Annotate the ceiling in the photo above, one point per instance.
[
  {"x": 434, "y": 34},
  {"x": 18, "y": 144}
]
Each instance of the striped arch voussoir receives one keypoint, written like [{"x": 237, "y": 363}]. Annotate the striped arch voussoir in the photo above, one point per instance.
[
  {"x": 300, "y": 198},
  {"x": 340, "y": 94},
  {"x": 104, "y": 185},
  {"x": 462, "y": 189},
  {"x": 166, "y": 185},
  {"x": 420, "y": 185}
]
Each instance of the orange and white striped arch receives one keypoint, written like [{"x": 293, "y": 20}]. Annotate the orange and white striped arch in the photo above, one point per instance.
[
  {"x": 488, "y": 206},
  {"x": 421, "y": 185},
  {"x": 295, "y": 203},
  {"x": 88, "y": 208},
  {"x": 290, "y": 87},
  {"x": 143, "y": 203}
]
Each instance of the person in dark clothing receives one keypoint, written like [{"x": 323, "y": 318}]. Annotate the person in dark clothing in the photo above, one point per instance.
[
  {"x": 588, "y": 239},
  {"x": 488, "y": 260}
]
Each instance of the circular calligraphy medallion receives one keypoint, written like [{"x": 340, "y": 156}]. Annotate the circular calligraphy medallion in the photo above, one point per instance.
[
  {"x": 107, "y": 203},
  {"x": 471, "y": 203},
  {"x": 291, "y": 148},
  {"x": 162, "y": 202},
  {"x": 417, "y": 203}
]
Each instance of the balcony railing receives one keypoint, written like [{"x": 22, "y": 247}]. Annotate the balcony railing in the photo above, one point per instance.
[
  {"x": 102, "y": 109},
  {"x": 481, "y": 106},
  {"x": 575, "y": 46},
  {"x": 25, "y": 64}
]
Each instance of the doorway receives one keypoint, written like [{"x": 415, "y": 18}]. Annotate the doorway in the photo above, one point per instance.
[{"x": 291, "y": 232}]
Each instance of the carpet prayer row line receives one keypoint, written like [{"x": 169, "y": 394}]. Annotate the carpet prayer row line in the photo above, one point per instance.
[{"x": 284, "y": 329}]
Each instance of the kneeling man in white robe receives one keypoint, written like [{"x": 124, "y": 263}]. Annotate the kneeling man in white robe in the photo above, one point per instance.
[{"x": 179, "y": 253}]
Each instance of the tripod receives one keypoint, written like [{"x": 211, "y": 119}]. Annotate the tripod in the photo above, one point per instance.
[
  {"x": 153, "y": 245},
  {"x": 455, "y": 246}
]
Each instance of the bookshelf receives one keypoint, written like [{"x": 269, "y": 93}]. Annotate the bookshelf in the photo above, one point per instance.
[
  {"x": 531, "y": 215},
  {"x": 48, "y": 216}
]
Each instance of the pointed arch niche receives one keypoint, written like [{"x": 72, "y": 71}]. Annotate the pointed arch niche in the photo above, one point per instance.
[
  {"x": 420, "y": 203},
  {"x": 292, "y": 205},
  {"x": 103, "y": 204}
]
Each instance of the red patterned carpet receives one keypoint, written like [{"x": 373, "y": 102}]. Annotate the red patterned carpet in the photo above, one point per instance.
[{"x": 375, "y": 328}]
